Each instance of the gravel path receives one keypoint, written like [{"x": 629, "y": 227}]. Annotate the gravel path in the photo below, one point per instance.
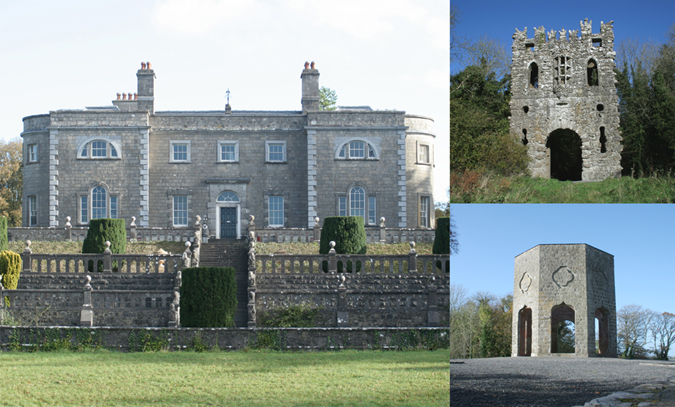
[{"x": 547, "y": 381}]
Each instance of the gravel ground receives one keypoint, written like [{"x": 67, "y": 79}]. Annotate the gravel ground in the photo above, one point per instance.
[{"x": 547, "y": 381}]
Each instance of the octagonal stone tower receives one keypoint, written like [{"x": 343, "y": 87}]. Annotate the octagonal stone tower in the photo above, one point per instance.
[
  {"x": 564, "y": 104},
  {"x": 563, "y": 282}
]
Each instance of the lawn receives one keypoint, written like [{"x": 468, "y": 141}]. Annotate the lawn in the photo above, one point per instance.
[{"x": 243, "y": 378}]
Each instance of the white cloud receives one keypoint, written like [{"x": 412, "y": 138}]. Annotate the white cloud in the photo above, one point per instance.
[{"x": 196, "y": 17}]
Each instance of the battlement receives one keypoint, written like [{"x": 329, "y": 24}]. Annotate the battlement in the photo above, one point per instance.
[{"x": 604, "y": 38}]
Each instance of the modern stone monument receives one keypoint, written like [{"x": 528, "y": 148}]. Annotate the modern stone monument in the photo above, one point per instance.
[
  {"x": 564, "y": 104},
  {"x": 563, "y": 282}
]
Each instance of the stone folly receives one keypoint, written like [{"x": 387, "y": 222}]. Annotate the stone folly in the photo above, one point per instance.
[
  {"x": 286, "y": 167},
  {"x": 564, "y": 282},
  {"x": 564, "y": 104}
]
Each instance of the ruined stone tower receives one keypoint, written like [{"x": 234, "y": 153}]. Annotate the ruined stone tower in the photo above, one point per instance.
[
  {"x": 564, "y": 105},
  {"x": 563, "y": 282}
]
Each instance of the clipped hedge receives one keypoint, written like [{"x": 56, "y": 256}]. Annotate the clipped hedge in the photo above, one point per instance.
[
  {"x": 208, "y": 297},
  {"x": 349, "y": 235},
  {"x": 10, "y": 269},
  {"x": 3, "y": 233},
  {"x": 102, "y": 230},
  {"x": 442, "y": 239}
]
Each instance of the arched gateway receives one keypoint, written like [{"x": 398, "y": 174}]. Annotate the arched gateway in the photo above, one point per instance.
[{"x": 562, "y": 290}]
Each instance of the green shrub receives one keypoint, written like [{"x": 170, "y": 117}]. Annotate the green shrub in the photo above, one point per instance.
[
  {"x": 100, "y": 231},
  {"x": 296, "y": 316},
  {"x": 10, "y": 269},
  {"x": 349, "y": 235},
  {"x": 3, "y": 233},
  {"x": 208, "y": 297},
  {"x": 442, "y": 239}
]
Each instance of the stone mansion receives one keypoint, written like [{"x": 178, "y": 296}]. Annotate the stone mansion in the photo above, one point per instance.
[{"x": 284, "y": 167}]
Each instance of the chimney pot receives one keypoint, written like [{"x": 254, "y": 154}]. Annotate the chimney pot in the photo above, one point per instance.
[
  {"x": 142, "y": 65},
  {"x": 118, "y": 96},
  {"x": 312, "y": 66},
  {"x": 124, "y": 96},
  {"x": 149, "y": 65},
  {"x": 135, "y": 96},
  {"x": 306, "y": 65}
]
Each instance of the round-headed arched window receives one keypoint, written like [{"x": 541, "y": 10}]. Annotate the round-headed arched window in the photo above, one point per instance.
[
  {"x": 357, "y": 202},
  {"x": 98, "y": 203},
  {"x": 228, "y": 196}
]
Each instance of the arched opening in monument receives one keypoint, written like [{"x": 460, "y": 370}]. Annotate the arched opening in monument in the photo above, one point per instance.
[
  {"x": 525, "y": 137},
  {"x": 603, "y": 140},
  {"x": 562, "y": 329},
  {"x": 565, "y": 149},
  {"x": 592, "y": 73},
  {"x": 525, "y": 332},
  {"x": 602, "y": 332},
  {"x": 533, "y": 75}
]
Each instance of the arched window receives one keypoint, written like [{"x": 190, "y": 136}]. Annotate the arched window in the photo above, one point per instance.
[
  {"x": 357, "y": 202},
  {"x": 592, "y": 73},
  {"x": 228, "y": 196},
  {"x": 357, "y": 150},
  {"x": 98, "y": 149},
  {"x": 533, "y": 75},
  {"x": 98, "y": 203}
]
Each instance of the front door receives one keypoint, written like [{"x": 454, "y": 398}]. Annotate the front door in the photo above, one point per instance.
[{"x": 228, "y": 223}]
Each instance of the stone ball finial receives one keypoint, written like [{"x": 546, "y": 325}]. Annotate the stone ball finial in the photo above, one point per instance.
[
  {"x": 28, "y": 242},
  {"x": 198, "y": 219},
  {"x": 412, "y": 245},
  {"x": 342, "y": 278},
  {"x": 107, "y": 244},
  {"x": 331, "y": 244},
  {"x": 316, "y": 219},
  {"x": 88, "y": 278},
  {"x": 188, "y": 244},
  {"x": 382, "y": 222},
  {"x": 67, "y": 218},
  {"x": 251, "y": 218}
]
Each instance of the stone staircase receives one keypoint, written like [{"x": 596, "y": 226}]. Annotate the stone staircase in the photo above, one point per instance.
[{"x": 230, "y": 253}]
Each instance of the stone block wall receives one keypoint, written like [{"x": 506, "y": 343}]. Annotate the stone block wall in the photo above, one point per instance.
[{"x": 419, "y": 175}]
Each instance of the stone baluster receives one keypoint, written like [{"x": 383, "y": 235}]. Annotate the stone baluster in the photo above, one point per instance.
[
  {"x": 107, "y": 258},
  {"x": 383, "y": 231},
  {"x": 433, "y": 318},
  {"x": 68, "y": 229},
  {"x": 332, "y": 260},
  {"x": 87, "y": 311},
  {"x": 252, "y": 319},
  {"x": 412, "y": 262},
  {"x": 132, "y": 229},
  {"x": 196, "y": 247},
  {"x": 251, "y": 227},
  {"x": 27, "y": 262},
  {"x": 342, "y": 314},
  {"x": 187, "y": 255},
  {"x": 317, "y": 230}
]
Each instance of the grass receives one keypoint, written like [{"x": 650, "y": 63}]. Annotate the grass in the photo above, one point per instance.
[
  {"x": 179, "y": 247},
  {"x": 480, "y": 187},
  {"x": 265, "y": 378}
]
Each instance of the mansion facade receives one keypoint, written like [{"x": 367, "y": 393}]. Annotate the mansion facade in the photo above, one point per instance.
[{"x": 284, "y": 167}]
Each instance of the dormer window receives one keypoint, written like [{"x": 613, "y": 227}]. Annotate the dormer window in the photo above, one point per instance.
[
  {"x": 98, "y": 149},
  {"x": 357, "y": 150}
]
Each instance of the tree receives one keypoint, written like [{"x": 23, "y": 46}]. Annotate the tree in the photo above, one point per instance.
[
  {"x": 11, "y": 181},
  {"x": 663, "y": 334},
  {"x": 327, "y": 99},
  {"x": 633, "y": 324}
]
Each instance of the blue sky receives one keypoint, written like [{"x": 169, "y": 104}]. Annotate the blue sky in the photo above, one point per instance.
[
  {"x": 389, "y": 54},
  {"x": 640, "y": 237},
  {"x": 499, "y": 19}
]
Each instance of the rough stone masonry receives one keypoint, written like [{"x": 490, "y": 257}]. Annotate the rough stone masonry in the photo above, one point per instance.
[{"x": 564, "y": 105}]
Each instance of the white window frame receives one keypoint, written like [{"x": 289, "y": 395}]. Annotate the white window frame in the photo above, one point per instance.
[
  {"x": 85, "y": 205},
  {"x": 110, "y": 146},
  {"x": 174, "y": 210},
  {"x": 342, "y": 205},
  {"x": 425, "y": 211},
  {"x": 270, "y": 211},
  {"x": 173, "y": 143},
  {"x": 267, "y": 151},
  {"x": 368, "y": 147},
  {"x": 371, "y": 209},
  {"x": 32, "y": 210},
  {"x": 33, "y": 153},
  {"x": 420, "y": 149},
  {"x": 236, "y": 151}
]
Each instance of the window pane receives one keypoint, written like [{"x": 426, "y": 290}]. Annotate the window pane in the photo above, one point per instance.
[
  {"x": 180, "y": 211},
  {"x": 227, "y": 152},
  {"x": 423, "y": 154},
  {"x": 85, "y": 151},
  {"x": 98, "y": 203},
  {"x": 356, "y": 149},
  {"x": 371, "y": 210},
  {"x": 357, "y": 202},
  {"x": 113, "y": 207},
  {"x": 228, "y": 196},
  {"x": 32, "y": 211},
  {"x": 98, "y": 149},
  {"x": 113, "y": 151},
  {"x": 371, "y": 151},
  {"x": 342, "y": 151},
  {"x": 424, "y": 211},
  {"x": 180, "y": 152},
  {"x": 32, "y": 153},
  {"x": 276, "y": 211},
  {"x": 276, "y": 152},
  {"x": 342, "y": 206},
  {"x": 84, "y": 215}
]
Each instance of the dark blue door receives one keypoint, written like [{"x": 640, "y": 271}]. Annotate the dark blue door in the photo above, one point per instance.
[{"x": 228, "y": 223}]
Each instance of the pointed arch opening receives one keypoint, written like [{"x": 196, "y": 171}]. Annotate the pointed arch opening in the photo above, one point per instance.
[
  {"x": 533, "y": 75},
  {"x": 563, "y": 329},
  {"x": 525, "y": 332},
  {"x": 565, "y": 150},
  {"x": 592, "y": 73}
]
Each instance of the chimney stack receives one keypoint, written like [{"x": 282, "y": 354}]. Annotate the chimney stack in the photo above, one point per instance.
[
  {"x": 146, "y": 88},
  {"x": 310, "y": 88}
]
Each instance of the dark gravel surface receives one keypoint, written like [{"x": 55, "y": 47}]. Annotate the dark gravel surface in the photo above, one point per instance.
[{"x": 547, "y": 381}]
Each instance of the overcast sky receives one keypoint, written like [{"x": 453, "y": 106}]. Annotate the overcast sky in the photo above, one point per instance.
[{"x": 389, "y": 54}]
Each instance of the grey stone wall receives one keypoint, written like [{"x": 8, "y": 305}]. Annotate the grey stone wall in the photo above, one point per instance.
[
  {"x": 575, "y": 105},
  {"x": 419, "y": 175},
  {"x": 577, "y": 275}
]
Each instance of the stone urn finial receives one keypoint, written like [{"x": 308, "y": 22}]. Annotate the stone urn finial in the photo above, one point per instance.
[
  {"x": 107, "y": 245},
  {"x": 382, "y": 222}
]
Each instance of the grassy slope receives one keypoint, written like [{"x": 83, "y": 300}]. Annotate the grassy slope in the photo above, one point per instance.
[
  {"x": 265, "y": 378},
  {"x": 488, "y": 188}
]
